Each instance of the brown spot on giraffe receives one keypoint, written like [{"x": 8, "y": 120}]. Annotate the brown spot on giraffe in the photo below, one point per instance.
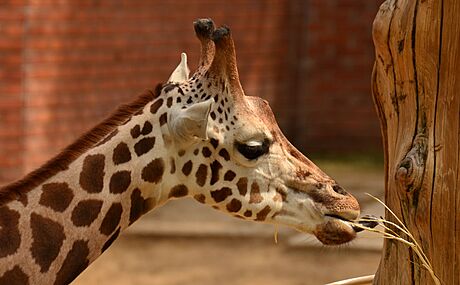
[
  {"x": 206, "y": 152},
  {"x": 112, "y": 238},
  {"x": 75, "y": 262},
  {"x": 56, "y": 196},
  {"x": 221, "y": 194},
  {"x": 200, "y": 198},
  {"x": 169, "y": 102},
  {"x": 201, "y": 175},
  {"x": 47, "y": 239},
  {"x": 247, "y": 213},
  {"x": 255, "y": 196},
  {"x": 215, "y": 168},
  {"x": 86, "y": 212},
  {"x": 178, "y": 191},
  {"x": 173, "y": 166},
  {"x": 163, "y": 119},
  {"x": 111, "y": 219},
  {"x": 229, "y": 175},
  {"x": 147, "y": 128},
  {"x": 92, "y": 173},
  {"x": 135, "y": 131},
  {"x": 263, "y": 214},
  {"x": 156, "y": 105},
  {"x": 10, "y": 237},
  {"x": 187, "y": 168},
  {"x": 153, "y": 172},
  {"x": 144, "y": 145},
  {"x": 242, "y": 186},
  {"x": 224, "y": 153},
  {"x": 14, "y": 276},
  {"x": 120, "y": 181},
  {"x": 121, "y": 154},
  {"x": 234, "y": 206},
  {"x": 138, "y": 206},
  {"x": 214, "y": 142}
]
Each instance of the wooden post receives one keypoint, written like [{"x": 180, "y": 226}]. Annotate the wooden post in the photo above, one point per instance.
[{"x": 416, "y": 89}]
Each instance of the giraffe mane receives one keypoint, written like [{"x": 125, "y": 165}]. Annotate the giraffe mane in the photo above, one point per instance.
[{"x": 61, "y": 161}]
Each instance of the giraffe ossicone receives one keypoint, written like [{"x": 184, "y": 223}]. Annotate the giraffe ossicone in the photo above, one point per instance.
[{"x": 200, "y": 137}]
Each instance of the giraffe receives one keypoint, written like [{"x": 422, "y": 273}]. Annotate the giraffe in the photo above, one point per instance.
[{"x": 200, "y": 137}]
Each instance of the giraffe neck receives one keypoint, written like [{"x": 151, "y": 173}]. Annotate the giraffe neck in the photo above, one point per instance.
[{"x": 59, "y": 227}]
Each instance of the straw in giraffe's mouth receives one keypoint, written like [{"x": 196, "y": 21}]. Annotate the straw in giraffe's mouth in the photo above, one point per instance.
[{"x": 368, "y": 221}]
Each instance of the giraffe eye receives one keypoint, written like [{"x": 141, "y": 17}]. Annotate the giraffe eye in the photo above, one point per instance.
[{"x": 253, "y": 149}]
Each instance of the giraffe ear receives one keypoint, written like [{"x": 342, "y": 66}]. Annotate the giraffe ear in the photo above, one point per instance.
[
  {"x": 180, "y": 74},
  {"x": 186, "y": 124}
]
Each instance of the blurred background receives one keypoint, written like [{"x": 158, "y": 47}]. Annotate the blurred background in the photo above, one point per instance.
[{"x": 65, "y": 65}]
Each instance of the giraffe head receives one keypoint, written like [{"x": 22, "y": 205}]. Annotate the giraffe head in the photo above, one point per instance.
[{"x": 231, "y": 154}]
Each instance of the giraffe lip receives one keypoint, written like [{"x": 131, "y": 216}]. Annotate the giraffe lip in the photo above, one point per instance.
[{"x": 334, "y": 232}]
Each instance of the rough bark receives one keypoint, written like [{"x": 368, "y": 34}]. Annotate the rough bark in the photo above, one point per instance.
[{"x": 415, "y": 82}]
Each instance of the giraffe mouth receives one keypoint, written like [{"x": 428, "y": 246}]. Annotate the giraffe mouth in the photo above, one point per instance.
[{"x": 335, "y": 231}]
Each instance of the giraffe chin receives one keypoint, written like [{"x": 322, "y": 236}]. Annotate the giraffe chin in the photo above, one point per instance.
[{"x": 334, "y": 232}]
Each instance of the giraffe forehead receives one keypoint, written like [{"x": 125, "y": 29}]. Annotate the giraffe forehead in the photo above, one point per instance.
[
  {"x": 259, "y": 111},
  {"x": 251, "y": 119}
]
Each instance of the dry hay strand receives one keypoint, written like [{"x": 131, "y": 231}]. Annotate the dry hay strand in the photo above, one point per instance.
[{"x": 388, "y": 233}]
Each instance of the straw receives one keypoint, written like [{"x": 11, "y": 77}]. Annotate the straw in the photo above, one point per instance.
[
  {"x": 355, "y": 281},
  {"x": 389, "y": 233}
]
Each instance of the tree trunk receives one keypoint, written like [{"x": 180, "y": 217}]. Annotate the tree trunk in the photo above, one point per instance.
[{"x": 416, "y": 86}]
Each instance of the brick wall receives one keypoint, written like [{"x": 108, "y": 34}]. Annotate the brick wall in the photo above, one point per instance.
[
  {"x": 332, "y": 78},
  {"x": 64, "y": 65},
  {"x": 11, "y": 84}
]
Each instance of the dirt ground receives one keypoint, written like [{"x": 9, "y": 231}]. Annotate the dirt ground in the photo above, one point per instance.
[
  {"x": 185, "y": 242},
  {"x": 177, "y": 261}
]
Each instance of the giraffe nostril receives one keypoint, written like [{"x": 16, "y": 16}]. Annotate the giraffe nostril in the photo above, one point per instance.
[{"x": 339, "y": 190}]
